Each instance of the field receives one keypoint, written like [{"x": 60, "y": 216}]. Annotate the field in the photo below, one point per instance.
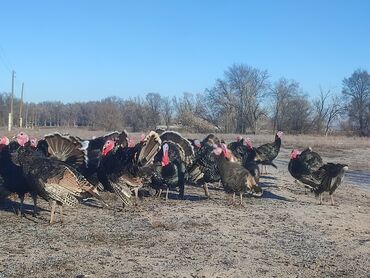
[{"x": 283, "y": 234}]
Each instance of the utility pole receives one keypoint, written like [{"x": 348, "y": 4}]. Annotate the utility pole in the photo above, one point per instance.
[
  {"x": 10, "y": 119},
  {"x": 26, "y": 122},
  {"x": 20, "y": 107}
]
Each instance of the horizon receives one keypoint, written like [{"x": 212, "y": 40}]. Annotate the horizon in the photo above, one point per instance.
[{"x": 87, "y": 50}]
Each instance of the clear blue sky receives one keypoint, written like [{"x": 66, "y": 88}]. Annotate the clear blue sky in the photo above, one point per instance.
[{"x": 88, "y": 50}]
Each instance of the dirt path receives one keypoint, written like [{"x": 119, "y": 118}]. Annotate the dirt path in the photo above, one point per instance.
[{"x": 284, "y": 234}]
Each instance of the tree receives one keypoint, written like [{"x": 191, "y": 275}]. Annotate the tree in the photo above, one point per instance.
[
  {"x": 283, "y": 92},
  {"x": 298, "y": 114},
  {"x": 327, "y": 107},
  {"x": 154, "y": 109},
  {"x": 241, "y": 90},
  {"x": 167, "y": 111},
  {"x": 356, "y": 90}
]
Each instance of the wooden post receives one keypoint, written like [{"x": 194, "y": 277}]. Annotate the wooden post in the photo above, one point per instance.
[
  {"x": 20, "y": 108},
  {"x": 10, "y": 120}
]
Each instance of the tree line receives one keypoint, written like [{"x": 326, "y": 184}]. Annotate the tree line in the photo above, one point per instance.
[{"x": 243, "y": 100}]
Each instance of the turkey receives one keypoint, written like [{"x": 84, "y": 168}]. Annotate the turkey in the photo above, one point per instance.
[
  {"x": 94, "y": 152},
  {"x": 159, "y": 130},
  {"x": 303, "y": 164},
  {"x": 234, "y": 177},
  {"x": 211, "y": 139},
  {"x": 54, "y": 180},
  {"x": 308, "y": 168},
  {"x": 84, "y": 155},
  {"x": 123, "y": 168},
  {"x": 33, "y": 143},
  {"x": 197, "y": 145},
  {"x": 238, "y": 148},
  {"x": 203, "y": 169},
  {"x": 247, "y": 155},
  {"x": 171, "y": 162},
  {"x": 13, "y": 180},
  {"x": 268, "y": 152},
  {"x": 332, "y": 176},
  {"x": 250, "y": 160},
  {"x": 64, "y": 148},
  {"x": 304, "y": 167}
]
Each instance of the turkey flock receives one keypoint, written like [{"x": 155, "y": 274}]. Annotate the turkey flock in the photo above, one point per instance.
[{"x": 66, "y": 170}]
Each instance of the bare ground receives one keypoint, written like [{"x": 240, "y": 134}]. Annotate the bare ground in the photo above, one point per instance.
[{"x": 283, "y": 234}]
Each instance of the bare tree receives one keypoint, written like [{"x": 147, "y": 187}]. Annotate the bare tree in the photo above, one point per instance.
[
  {"x": 135, "y": 115},
  {"x": 250, "y": 86},
  {"x": 283, "y": 93},
  {"x": 334, "y": 111},
  {"x": 222, "y": 105},
  {"x": 154, "y": 109},
  {"x": 298, "y": 115},
  {"x": 327, "y": 107},
  {"x": 242, "y": 90},
  {"x": 167, "y": 111},
  {"x": 356, "y": 89},
  {"x": 190, "y": 112}
]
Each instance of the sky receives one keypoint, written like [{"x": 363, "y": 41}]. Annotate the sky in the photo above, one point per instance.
[{"x": 81, "y": 50}]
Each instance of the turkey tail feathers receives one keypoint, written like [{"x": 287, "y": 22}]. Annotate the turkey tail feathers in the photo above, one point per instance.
[
  {"x": 195, "y": 173},
  {"x": 69, "y": 186},
  {"x": 151, "y": 146},
  {"x": 123, "y": 192},
  {"x": 67, "y": 149},
  {"x": 185, "y": 147}
]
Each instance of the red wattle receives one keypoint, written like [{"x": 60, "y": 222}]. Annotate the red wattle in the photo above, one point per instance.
[{"x": 165, "y": 159}]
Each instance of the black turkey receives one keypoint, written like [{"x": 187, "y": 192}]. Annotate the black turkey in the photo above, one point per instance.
[
  {"x": 250, "y": 160},
  {"x": 123, "y": 168},
  {"x": 238, "y": 148},
  {"x": 13, "y": 179},
  {"x": 203, "y": 169},
  {"x": 53, "y": 180},
  {"x": 171, "y": 162},
  {"x": 268, "y": 152},
  {"x": 308, "y": 168}
]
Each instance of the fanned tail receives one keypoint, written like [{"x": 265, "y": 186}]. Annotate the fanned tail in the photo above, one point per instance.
[
  {"x": 183, "y": 144},
  {"x": 61, "y": 195},
  {"x": 123, "y": 192},
  {"x": 151, "y": 146},
  {"x": 69, "y": 186},
  {"x": 195, "y": 173},
  {"x": 67, "y": 149}
]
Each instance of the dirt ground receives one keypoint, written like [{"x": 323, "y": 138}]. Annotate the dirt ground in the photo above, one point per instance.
[{"x": 283, "y": 234}]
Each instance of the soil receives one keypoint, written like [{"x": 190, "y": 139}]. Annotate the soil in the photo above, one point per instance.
[{"x": 286, "y": 233}]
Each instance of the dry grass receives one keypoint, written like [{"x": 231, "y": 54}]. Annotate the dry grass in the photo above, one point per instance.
[
  {"x": 351, "y": 150},
  {"x": 302, "y": 141},
  {"x": 40, "y": 132},
  {"x": 289, "y": 141}
]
